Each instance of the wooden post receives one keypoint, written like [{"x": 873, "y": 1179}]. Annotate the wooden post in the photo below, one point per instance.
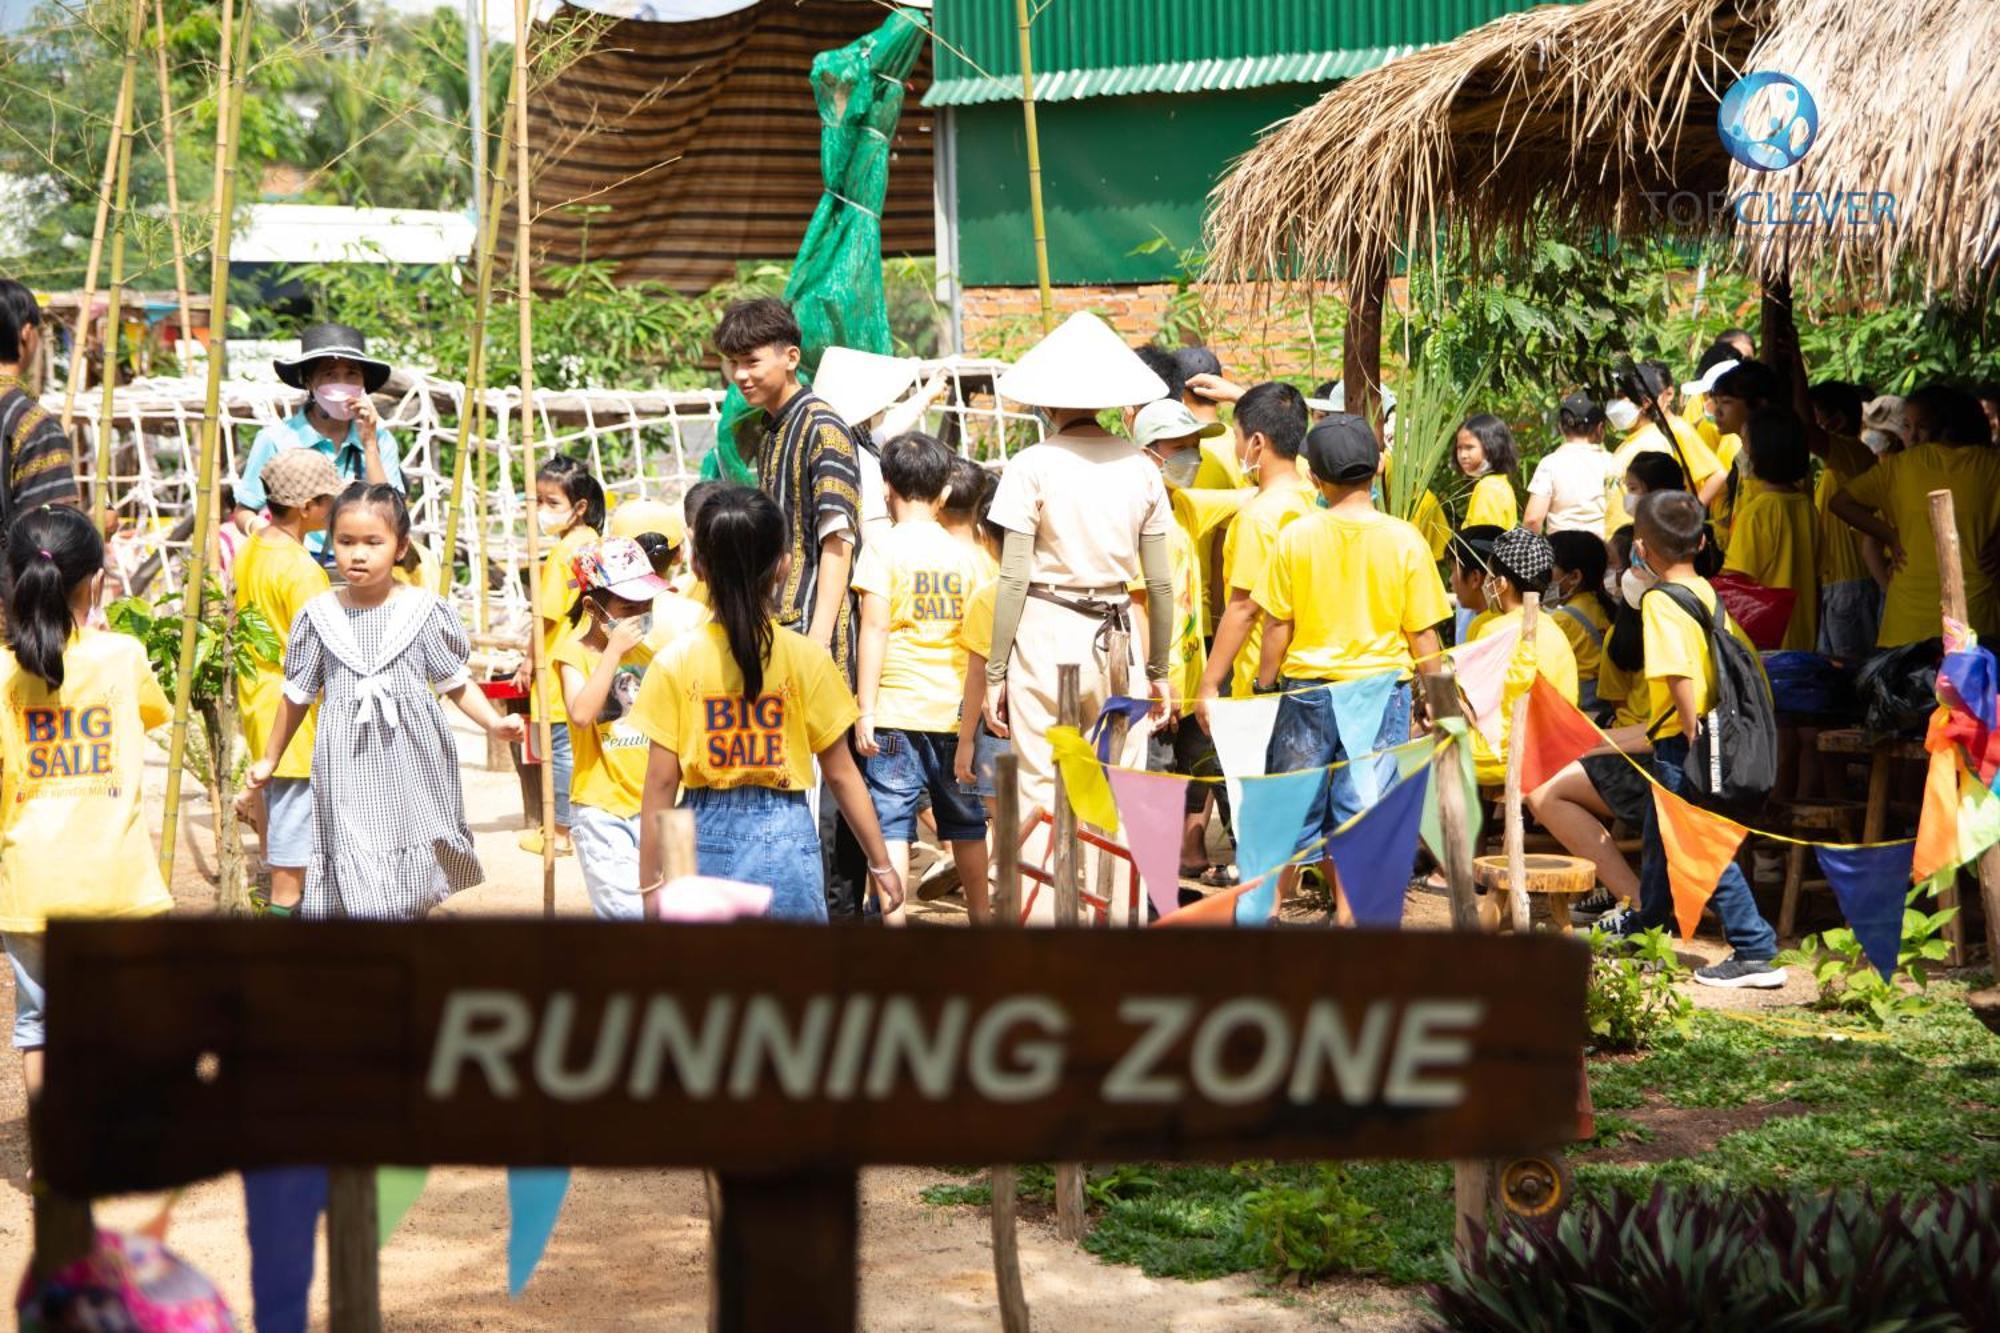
[
  {"x": 1119, "y": 673},
  {"x": 1517, "y": 861},
  {"x": 786, "y": 1253},
  {"x": 114, "y": 323},
  {"x": 173, "y": 177},
  {"x": 1069, "y": 709},
  {"x": 1361, "y": 351},
  {"x": 1036, "y": 219},
  {"x": 1007, "y": 913},
  {"x": 1951, "y": 576},
  {"x": 211, "y": 425},
  {"x": 353, "y": 1271}
]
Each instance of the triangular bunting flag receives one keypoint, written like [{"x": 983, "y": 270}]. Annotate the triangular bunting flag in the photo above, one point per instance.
[
  {"x": 1937, "y": 825},
  {"x": 1376, "y": 850},
  {"x": 281, "y": 1207},
  {"x": 1481, "y": 668},
  {"x": 1217, "y": 909},
  {"x": 1871, "y": 884},
  {"x": 1358, "y": 706},
  {"x": 1268, "y": 824},
  {"x": 1083, "y": 779},
  {"x": 1555, "y": 736},
  {"x": 1409, "y": 760},
  {"x": 1241, "y": 729},
  {"x": 1699, "y": 845},
  {"x": 534, "y": 1198},
  {"x": 1978, "y": 818},
  {"x": 1151, "y": 808},
  {"x": 396, "y": 1191},
  {"x": 1966, "y": 681},
  {"x": 1134, "y": 711}
]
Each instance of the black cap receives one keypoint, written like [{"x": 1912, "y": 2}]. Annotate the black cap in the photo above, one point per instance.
[
  {"x": 1582, "y": 407},
  {"x": 1342, "y": 450}
]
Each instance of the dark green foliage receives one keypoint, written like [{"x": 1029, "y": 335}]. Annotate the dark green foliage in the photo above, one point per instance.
[
  {"x": 1632, "y": 1001},
  {"x": 1314, "y": 1230},
  {"x": 1765, "y": 1261}
]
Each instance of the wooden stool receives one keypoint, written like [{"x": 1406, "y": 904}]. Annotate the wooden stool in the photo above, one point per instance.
[
  {"x": 1880, "y": 756},
  {"x": 1560, "y": 878},
  {"x": 1803, "y": 819}
]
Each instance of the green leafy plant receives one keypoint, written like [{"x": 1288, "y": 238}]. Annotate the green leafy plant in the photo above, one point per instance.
[
  {"x": 157, "y": 625},
  {"x": 1314, "y": 1230},
  {"x": 1848, "y": 981},
  {"x": 1632, "y": 1002},
  {"x": 1112, "y": 1184}
]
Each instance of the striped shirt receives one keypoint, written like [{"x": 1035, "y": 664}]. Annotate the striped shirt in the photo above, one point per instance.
[
  {"x": 35, "y": 458},
  {"x": 807, "y": 463}
]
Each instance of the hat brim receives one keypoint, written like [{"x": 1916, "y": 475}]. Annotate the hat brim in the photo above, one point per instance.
[
  {"x": 374, "y": 374},
  {"x": 1205, "y": 430},
  {"x": 639, "y": 588}
]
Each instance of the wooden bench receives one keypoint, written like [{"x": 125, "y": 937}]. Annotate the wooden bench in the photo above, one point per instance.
[
  {"x": 1882, "y": 755},
  {"x": 1816, "y": 821},
  {"x": 1559, "y": 878}
]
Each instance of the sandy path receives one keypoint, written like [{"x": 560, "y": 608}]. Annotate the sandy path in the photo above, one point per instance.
[{"x": 631, "y": 1248}]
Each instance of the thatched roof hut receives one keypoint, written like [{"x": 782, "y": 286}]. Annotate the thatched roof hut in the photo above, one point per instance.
[{"x": 1603, "y": 116}]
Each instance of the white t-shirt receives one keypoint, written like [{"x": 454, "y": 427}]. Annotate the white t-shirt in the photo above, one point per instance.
[
  {"x": 1572, "y": 476},
  {"x": 1086, "y": 500}
]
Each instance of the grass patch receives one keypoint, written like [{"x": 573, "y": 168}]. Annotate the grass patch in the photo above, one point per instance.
[{"x": 1912, "y": 1105}]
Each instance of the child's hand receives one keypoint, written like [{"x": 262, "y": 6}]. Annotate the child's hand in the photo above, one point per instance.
[
  {"x": 1201, "y": 702},
  {"x": 1214, "y": 388},
  {"x": 995, "y": 714},
  {"x": 509, "y": 727},
  {"x": 524, "y": 675},
  {"x": 366, "y": 419},
  {"x": 888, "y": 888},
  {"x": 258, "y": 776},
  {"x": 623, "y": 636},
  {"x": 961, "y": 767},
  {"x": 249, "y": 808},
  {"x": 865, "y": 743},
  {"x": 1163, "y": 699}
]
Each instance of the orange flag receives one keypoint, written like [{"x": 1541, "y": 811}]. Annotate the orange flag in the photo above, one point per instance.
[
  {"x": 1937, "y": 826},
  {"x": 1699, "y": 845},
  {"x": 1217, "y": 909},
  {"x": 1557, "y": 734}
]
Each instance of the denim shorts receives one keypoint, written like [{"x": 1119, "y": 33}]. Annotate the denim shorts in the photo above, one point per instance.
[
  {"x": 986, "y": 751},
  {"x": 288, "y": 823},
  {"x": 24, "y": 951},
  {"x": 760, "y": 835},
  {"x": 564, "y": 755},
  {"x": 1850, "y": 616},
  {"x": 910, "y": 764},
  {"x": 1306, "y": 736},
  {"x": 607, "y": 851}
]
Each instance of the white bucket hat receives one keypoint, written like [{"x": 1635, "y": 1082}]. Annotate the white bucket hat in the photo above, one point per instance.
[
  {"x": 858, "y": 385},
  {"x": 1083, "y": 364},
  {"x": 1337, "y": 400}
]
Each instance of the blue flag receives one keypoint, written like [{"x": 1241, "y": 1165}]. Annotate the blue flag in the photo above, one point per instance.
[
  {"x": 1358, "y": 706},
  {"x": 534, "y": 1198},
  {"x": 282, "y": 1205},
  {"x": 1871, "y": 883},
  {"x": 1118, "y": 705},
  {"x": 1268, "y": 823},
  {"x": 1376, "y": 851}
]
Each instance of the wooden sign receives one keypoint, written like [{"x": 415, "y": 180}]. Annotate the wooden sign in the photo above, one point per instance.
[{"x": 180, "y": 1049}]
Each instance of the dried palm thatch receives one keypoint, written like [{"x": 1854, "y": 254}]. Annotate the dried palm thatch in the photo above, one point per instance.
[{"x": 1602, "y": 117}]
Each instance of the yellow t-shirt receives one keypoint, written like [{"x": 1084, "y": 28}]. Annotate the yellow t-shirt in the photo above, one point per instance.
[
  {"x": 1677, "y": 646},
  {"x": 1493, "y": 501},
  {"x": 1775, "y": 540},
  {"x": 1840, "y": 559},
  {"x": 674, "y": 614},
  {"x": 1246, "y": 553},
  {"x": 975, "y": 632},
  {"x": 1725, "y": 448},
  {"x": 1354, "y": 585},
  {"x": 924, "y": 574},
  {"x": 429, "y": 575},
  {"x": 277, "y": 576},
  {"x": 1586, "y": 635},
  {"x": 1899, "y": 487},
  {"x": 1219, "y": 470},
  {"x": 692, "y": 703},
  {"x": 1551, "y": 657},
  {"x": 555, "y": 593},
  {"x": 1646, "y": 438},
  {"x": 610, "y": 773},
  {"x": 1433, "y": 523},
  {"x": 73, "y": 831}
]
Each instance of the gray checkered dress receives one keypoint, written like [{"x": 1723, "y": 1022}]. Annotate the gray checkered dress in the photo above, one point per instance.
[{"x": 389, "y": 835}]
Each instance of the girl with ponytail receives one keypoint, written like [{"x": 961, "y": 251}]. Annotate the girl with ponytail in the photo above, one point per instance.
[
  {"x": 75, "y": 706},
  {"x": 737, "y": 711}
]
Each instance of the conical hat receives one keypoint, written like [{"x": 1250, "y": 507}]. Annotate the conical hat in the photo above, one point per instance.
[
  {"x": 857, "y": 385},
  {"x": 1082, "y": 364}
]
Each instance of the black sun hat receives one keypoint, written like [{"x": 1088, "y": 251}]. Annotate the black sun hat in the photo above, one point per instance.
[{"x": 332, "y": 342}]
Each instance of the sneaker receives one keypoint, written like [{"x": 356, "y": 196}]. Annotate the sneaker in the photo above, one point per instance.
[
  {"x": 1739, "y": 973},
  {"x": 1619, "y": 922},
  {"x": 940, "y": 881},
  {"x": 530, "y": 842},
  {"x": 1591, "y": 908}
]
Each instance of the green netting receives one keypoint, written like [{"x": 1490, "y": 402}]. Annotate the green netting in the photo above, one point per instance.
[{"x": 836, "y": 282}]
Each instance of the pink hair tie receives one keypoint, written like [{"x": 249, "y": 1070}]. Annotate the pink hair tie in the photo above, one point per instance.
[{"x": 46, "y": 553}]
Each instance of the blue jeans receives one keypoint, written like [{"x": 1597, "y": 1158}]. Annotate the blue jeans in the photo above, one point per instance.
[
  {"x": 607, "y": 851},
  {"x": 1307, "y": 736},
  {"x": 1850, "y": 616},
  {"x": 759, "y": 835},
  {"x": 31, "y": 1001},
  {"x": 565, "y": 761},
  {"x": 1742, "y": 924},
  {"x": 910, "y": 764}
]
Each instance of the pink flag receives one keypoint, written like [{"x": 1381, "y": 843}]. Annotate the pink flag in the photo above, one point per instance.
[
  {"x": 1150, "y": 808},
  {"x": 1481, "y": 667}
]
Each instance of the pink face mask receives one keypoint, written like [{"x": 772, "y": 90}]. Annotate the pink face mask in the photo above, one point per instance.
[{"x": 338, "y": 400}]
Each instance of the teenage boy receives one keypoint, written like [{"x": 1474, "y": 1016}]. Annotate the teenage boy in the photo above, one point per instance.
[
  {"x": 1270, "y": 426},
  {"x": 1680, "y": 687},
  {"x": 277, "y": 575},
  {"x": 1567, "y": 491},
  {"x": 914, "y": 583},
  {"x": 1348, "y": 592},
  {"x": 37, "y": 464}
]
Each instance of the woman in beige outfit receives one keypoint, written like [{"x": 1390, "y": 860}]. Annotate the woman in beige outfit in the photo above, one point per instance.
[{"x": 1086, "y": 517}]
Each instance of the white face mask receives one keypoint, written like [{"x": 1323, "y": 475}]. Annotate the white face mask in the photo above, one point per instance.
[
  {"x": 1878, "y": 441},
  {"x": 1614, "y": 588},
  {"x": 1179, "y": 468},
  {"x": 338, "y": 400},
  {"x": 552, "y": 522},
  {"x": 1622, "y": 413},
  {"x": 1556, "y": 595},
  {"x": 1633, "y": 586},
  {"x": 641, "y": 624}
]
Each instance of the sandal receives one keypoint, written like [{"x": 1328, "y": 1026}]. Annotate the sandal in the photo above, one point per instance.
[{"x": 1210, "y": 876}]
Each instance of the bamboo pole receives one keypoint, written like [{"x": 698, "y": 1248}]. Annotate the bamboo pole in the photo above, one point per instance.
[
  {"x": 173, "y": 175},
  {"x": 211, "y": 425},
  {"x": 1068, "y": 870},
  {"x": 1517, "y": 858},
  {"x": 1036, "y": 218},
  {"x": 1118, "y": 670},
  {"x": 114, "y": 323},
  {"x": 538, "y": 650}
]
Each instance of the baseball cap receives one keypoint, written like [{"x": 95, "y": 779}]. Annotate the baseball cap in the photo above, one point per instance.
[
  {"x": 1167, "y": 419},
  {"x": 1342, "y": 450},
  {"x": 1582, "y": 407},
  {"x": 294, "y": 477},
  {"x": 639, "y": 515},
  {"x": 620, "y": 567}
]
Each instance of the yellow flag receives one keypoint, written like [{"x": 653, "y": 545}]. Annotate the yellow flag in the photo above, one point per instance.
[{"x": 1083, "y": 778}]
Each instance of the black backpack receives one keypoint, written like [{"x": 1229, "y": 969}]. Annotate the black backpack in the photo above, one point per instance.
[{"x": 1733, "y": 763}]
